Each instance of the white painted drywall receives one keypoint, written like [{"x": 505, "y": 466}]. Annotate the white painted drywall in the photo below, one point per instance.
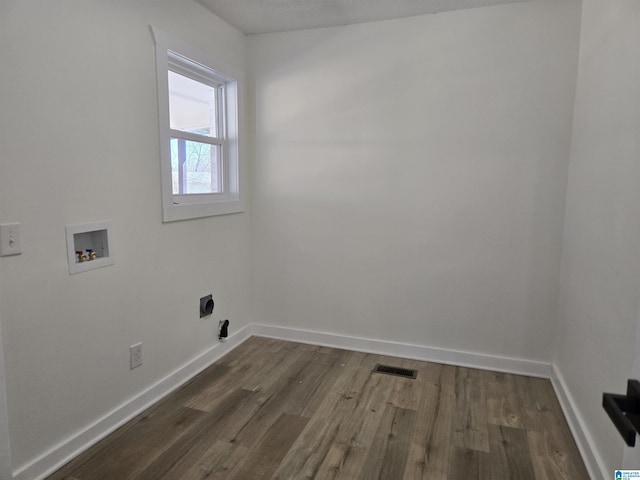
[
  {"x": 5, "y": 441},
  {"x": 410, "y": 175},
  {"x": 258, "y": 16},
  {"x": 78, "y": 129},
  {"x": 409, "y": 186},
  {"x": 600, "y": 279},
  {"x": 631, "y": 455}
]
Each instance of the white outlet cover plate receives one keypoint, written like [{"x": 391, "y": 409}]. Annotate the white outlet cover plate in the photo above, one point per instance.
[{"x": 135, "y": 354}]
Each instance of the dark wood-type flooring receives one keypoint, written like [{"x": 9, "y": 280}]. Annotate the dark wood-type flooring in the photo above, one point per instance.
[{"x": 272, "y": 409}]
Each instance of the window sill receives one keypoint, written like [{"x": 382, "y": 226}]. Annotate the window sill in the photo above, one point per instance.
[{"x": 186, "y": 211}]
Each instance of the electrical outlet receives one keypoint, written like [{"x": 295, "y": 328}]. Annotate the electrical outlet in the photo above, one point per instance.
[{"x": 135, "y": 355}]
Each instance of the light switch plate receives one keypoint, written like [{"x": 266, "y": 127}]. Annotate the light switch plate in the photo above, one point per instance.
[{"x": 10, "y": 239}]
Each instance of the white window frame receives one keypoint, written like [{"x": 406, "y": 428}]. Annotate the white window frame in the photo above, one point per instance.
[{"x": 175, "y": 55}]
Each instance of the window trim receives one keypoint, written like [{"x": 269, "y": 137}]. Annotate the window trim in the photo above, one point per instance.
[{"x": 175, "y": 55}]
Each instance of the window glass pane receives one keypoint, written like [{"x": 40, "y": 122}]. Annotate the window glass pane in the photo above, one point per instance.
[
  {"x": 195, "y": 167},
  {"x": 192, "y": 106}
]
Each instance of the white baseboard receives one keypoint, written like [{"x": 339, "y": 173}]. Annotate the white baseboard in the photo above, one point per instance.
[
  {"x": 405, "y": 350},
  {"x": 56, "y": 457},
  {"x": 592, "y": 460},
  {"x": 66, "y": 450}
]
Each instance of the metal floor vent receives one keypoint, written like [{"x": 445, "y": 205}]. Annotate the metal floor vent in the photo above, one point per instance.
[{"x": 398, "y": 371}]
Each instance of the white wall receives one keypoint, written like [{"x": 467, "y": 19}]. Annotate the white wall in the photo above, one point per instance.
[
  {"x": 410, "y": 175},
  {"x": 78, "y": 129},
  {"x": 600, "y": 281},
  {"x": 5, "y": 441},
  {"x": 409, "y": 185}
]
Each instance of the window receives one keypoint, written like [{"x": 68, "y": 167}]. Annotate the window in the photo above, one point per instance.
[
  {"x": 196, "y": 124},
  {"x": 198, "y": 130}
]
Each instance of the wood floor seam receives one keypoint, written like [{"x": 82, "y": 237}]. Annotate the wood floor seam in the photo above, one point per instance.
[{"x": 273, "y": 409}]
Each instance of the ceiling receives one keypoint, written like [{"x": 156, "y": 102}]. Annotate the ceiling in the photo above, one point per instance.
[{"x": 268, "y": 16}]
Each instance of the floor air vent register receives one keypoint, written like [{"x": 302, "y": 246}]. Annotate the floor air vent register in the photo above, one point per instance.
[{"x": 397, "y": 371}]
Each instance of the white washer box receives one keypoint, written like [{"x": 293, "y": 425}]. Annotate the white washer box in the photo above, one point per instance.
[{"x": 89, "y": 236}]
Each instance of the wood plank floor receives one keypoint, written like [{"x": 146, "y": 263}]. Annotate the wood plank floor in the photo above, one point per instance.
[{"x": 272, "y": 409}]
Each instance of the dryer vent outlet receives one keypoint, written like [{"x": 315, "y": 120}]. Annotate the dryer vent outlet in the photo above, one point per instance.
[{"x": 206, "y": 306}]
